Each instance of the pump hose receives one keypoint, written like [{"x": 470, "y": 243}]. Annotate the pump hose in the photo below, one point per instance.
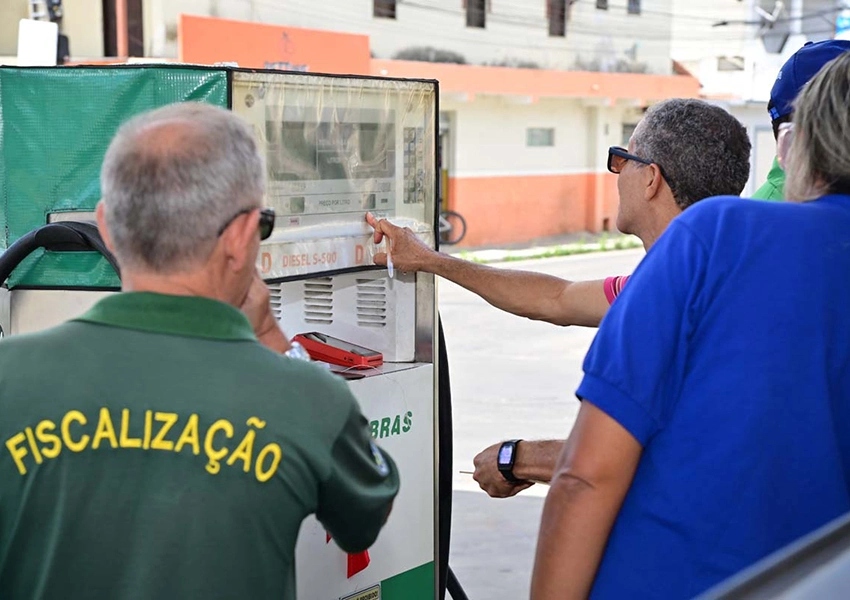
[
  {"x": 65, "y": 236},
  {"x": 448, "y": 580}
]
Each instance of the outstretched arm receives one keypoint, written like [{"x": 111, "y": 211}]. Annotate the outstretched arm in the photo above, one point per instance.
[
  {"x": 523, "y": 293},
  {"x": 535, "y": 463}
]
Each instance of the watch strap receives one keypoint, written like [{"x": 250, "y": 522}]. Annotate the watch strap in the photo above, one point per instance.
[{"x": 507, "y": 469}]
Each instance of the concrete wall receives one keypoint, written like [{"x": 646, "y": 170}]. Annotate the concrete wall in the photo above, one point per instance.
[
  {"x": 83, "y": 24},
  {"x": 515, "y": 30},
  {"x": 510, "y": 192},
  {"x": 11, "y": 11},
  {"x": 755, "y": 118}
]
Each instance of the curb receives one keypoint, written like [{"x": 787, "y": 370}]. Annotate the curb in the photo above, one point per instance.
[{"x": 624, "y": 242}]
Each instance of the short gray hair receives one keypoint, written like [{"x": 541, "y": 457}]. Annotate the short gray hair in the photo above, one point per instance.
[
  {"x": 702, "y": 150},
  {"x": 818, "y": 161},
  {"x": 172, "y": 178}
]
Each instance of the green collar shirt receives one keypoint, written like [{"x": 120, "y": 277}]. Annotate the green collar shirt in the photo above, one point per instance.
[
  {"x": 153, "y": 448},
  {"x": 774, "y": 187}
]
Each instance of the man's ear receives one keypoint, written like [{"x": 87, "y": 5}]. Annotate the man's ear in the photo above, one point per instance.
[
  {"x": 655, "y": 181},
  {"x": 100, "y": 213},
  {"x": 238, "y": 240}
]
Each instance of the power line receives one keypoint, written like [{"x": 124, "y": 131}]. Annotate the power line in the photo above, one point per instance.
[
  {"x": 399, "y": 26},
  {"x": 547, "y": 48},
  {"x": 803, "y": 17},
  {"x": 665, "y": 32}
]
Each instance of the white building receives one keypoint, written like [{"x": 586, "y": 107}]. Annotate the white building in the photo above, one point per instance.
[
  {"x": 525, "y": 148},
  {"x": 736, "y": 48}
]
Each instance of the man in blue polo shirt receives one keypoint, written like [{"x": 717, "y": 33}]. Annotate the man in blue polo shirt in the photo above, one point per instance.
[{"x": 715, "y": 418}]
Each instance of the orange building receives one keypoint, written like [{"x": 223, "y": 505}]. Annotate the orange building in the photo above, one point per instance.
[{"x": 525, "y": 150}]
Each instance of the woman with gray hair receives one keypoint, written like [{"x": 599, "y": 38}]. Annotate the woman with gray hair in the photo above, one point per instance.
[
  {"x": 813, "y": 149},
  {"x": 715, "y": 419}
]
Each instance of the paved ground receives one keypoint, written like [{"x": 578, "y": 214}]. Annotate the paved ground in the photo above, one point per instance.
[{"x": 511, "y": 377}]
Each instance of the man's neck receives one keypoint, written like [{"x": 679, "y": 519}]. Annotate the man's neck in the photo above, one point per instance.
[
  {"x": 664, "y": 214},
  {"x": 180, "y": 284}
]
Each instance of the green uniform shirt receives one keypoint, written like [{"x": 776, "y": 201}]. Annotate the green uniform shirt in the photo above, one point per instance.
[
  {"x": 154, "y": 449},
  {"x": 774, "y": 187}
]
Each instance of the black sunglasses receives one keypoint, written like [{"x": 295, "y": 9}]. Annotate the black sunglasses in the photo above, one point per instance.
[
  {"x": 266, "y": 221},
  {"x": 617, "y": 158}
]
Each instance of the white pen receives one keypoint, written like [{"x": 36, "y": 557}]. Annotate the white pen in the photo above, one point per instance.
[{"x": 390, "y": 270}]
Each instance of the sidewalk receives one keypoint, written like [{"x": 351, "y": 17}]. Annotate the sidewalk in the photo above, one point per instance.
[{"x": 561, "y": 245}]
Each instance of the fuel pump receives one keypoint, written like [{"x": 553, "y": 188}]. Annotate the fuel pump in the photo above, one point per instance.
[{"x": 335, "y": 147}]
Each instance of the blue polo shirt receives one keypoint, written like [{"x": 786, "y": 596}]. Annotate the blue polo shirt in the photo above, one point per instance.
[{"x": 728, "y": 358}]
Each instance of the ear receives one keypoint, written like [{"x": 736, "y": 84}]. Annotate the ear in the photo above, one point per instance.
[
  {"x": 654, "y": 182},
  {"x": 100, "y": 213},
  {"x": 240, "y": 241}
]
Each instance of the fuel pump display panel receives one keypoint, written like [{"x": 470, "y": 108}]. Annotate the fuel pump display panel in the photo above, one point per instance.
[
  {"x": 336, "y": 148},
  {"x": 319, "y": 168}
]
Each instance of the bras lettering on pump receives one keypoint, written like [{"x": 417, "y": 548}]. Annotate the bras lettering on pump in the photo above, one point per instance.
[{"x": 391, "y": 426}]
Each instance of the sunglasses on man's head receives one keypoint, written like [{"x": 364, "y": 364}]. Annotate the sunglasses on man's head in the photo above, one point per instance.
[
  {"x": 618, "y": 157},
  {"x": 266, "y": 221}
]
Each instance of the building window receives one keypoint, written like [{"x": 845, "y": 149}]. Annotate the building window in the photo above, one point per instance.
[
  {"x": 628, "y": 130},
  {"x": 384, "y": 8},
  {"x": 538, "y": 137},
  {"x": 602, "y": 4},
  {"x": 634, "y": 7},
  {"x": 557, "y": 12},
  {"x": 476, "y": 13},
  {"x": 730, "y": 63}
]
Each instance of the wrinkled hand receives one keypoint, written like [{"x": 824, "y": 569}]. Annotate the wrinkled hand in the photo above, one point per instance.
[
  {"x": 257, "y": 307},
  {"x": 408, "y": 251},
  {"x": 490, "y": 479}
]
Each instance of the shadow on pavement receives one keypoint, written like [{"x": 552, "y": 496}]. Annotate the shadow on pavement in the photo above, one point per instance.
[{"x": 493, "y": 543}]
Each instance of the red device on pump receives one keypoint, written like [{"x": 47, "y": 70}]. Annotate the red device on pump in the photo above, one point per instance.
[{"x": 338, "y": 352}]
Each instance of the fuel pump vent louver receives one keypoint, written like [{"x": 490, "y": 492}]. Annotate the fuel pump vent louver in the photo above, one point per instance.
[
  {"x": 372, "y": 302},
  {"x": 276, "y": 299},
  {"x": 319, "y": 301}
]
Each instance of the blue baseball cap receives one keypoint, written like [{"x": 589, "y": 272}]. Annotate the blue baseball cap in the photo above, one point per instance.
[{"x": 798, "y": 70}]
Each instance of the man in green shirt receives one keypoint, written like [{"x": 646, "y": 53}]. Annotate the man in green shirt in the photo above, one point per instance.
[
  {"x": 773, "y": 188},
  {"x": 794, "y": 74},
  {"x": 160, "y": 446}
]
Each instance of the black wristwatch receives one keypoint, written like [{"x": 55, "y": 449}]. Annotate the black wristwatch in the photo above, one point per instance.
[{"x": 506, "y": 459}]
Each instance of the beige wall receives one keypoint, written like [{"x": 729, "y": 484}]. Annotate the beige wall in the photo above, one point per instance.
[
  {"x": 11, "y": 11},
  {"x": 83, "y": 24},
  {"x": 490, "y": 135},
  {"x": 515, "y": 30}
]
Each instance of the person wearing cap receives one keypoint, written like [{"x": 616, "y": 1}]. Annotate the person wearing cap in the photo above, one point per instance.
[
  {"x": 169, "y": 443},
  {"x": 714, "y": 426},
  {"x": 794, "y": 74}
]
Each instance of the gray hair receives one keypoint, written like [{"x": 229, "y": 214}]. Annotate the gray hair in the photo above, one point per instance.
[
  {"x": 172, "y": 178},
  {"x": 702, "y": 150},
  {"x": 818, "y": 161}
]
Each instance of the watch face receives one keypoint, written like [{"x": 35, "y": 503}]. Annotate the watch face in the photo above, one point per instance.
[{"x": 506, "y": 453}]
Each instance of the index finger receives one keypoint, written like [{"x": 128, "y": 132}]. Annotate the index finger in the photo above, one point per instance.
[
  {"x": 382, "y": 228},
  {"x": 376, "y": 225}
]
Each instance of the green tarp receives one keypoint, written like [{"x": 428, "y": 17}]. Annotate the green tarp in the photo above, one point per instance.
[{"x": 55, "y": 126}]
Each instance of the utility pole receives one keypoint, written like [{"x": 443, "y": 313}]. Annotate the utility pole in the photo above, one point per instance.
[
  {"x": 796, "y": 17},
  {"x": 122, "y": 42}
]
